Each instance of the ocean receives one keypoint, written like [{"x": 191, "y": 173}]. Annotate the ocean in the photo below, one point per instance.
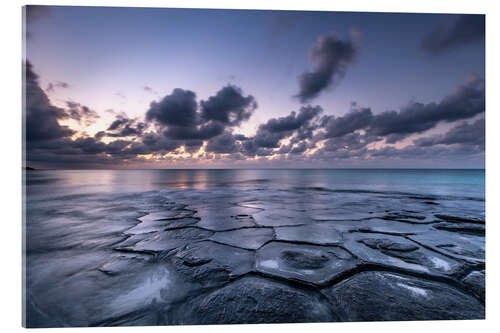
[{"x": 141, "y": 247}]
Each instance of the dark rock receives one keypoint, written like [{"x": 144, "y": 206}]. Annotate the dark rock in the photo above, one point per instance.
[
  {"x": 463, "y": 228},
  {"x": 307, "y": 263},
  {"x": 252, "y": 300},
  {"x": 317, "y": 233},
  {"x": 406, "y": 218},
  {"x": 399, "y": 252},
  {"x": 476, "y": 282},
  {"x": 380, "y": 296},
  {"x": 470, "y": 248},
  {"x": 389, "y": 245},
  {"x": 221, "y": 222},
  {"x": 465, "y": 219},
  {"x": 301, "y": 260},
  {"x": 168, "y": 240},
  {"x": 211, "y": 264},
  {"x": 248, "y": 238},
  {"x": 280, "y": 217}
]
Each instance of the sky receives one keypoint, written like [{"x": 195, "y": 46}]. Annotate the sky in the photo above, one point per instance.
[{"x": 111, "y": 87}]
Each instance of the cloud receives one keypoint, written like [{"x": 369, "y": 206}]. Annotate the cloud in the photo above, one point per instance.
[
  {"x": 453, "y": 32},
  {"x": 159, "y": 143},
  {"x": 123, "y": 126},
  {"x": 293, "y": 121},
  {"x": 176, "y": 109},
  {"x": 181, "y": 118},
  {"x": 228, "y": 106},
  {"x": 178, "y": 120},
  {"x": 224, "y": 143},
  {"x": 81, "y": 113},
  {"x": 274, "y": 130},
  {"x": 34, "y": 13},
  {"x": 149, "y": 90},
  {"x": 202, "y": 132},
  {"x": 42, "y": 118},
  {"x": 465, "y": 102},
  {"x": 330, "y": 57},
  {"x": 464, "y": 133},
  {"x": 352, "y": 121},
  {"x": 58, "y": 84},
  {"x": 347, "y": 142}
]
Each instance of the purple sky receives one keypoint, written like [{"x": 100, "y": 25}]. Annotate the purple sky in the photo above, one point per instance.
[{"x": 183, "y": 88}]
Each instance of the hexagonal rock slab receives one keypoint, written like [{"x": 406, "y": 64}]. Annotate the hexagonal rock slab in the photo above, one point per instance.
[
  {"x": 210, "y": 263},
  {"x": 408, "y": 217},
  {"x": 389, "y": 227},
  {"x": 308, "y": 263},
  {"x": 253, "y": 300},
  {"x": 158, "y": 222},
  {"x": 467, "y": 247},
  {"x": 318, "y": 233},
  {"x": 377, "y": 296},
  {"x": 247, "y": 238},
  {"x": 400, "y": 252},
  {"x": 219, "y": 221},
  {"x": 168, "y": 240},
  {"x": 280, "y": 217},
  {"x": 476, "y": 282}
]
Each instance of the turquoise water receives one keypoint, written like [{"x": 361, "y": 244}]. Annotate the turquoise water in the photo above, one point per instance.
[{"x": 442, "y": 182}]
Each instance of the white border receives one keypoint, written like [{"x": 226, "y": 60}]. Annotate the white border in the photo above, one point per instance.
[{"x": 10, "y": 108}]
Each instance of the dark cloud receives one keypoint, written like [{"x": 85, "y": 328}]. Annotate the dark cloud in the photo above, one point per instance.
[
  {"x": 159, "y": 143},
  {"x": 454, "y": 31},
  {"x": 178, "y": 116},
  {"x": 42, "y": 118},
  {"x": 178, "y": 120},
  {"x": 347, "y": 142},
  {"x": 123, "y": 126},
  {"x": 99, "y": 135},
  {"x": 58, "y": 84},
  {"x": 293, "y": 121},
  {"x": 192, "y": 146},
  {"x": 352, "y": 121},
  {"x": 330, "y": 57},
  {"x": 228, "y": 106},
  {"x": 465, "y": 102},
  {"x": 464, "y": 133},
  {"x": 240, "y": 137},
  {"x": 202, "y": 132},
  {"x": 270, "y": 134},
  {"x": 176, "y": 109},
  {"x": 81, "y": 113},
  {"x": 224, "y": 143},
  {"x": 34, "y": 13},
  {"x": 299, "y": 149}
]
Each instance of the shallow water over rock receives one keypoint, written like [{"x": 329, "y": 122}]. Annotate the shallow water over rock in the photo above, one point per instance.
[{"x": 252, "y": 254}]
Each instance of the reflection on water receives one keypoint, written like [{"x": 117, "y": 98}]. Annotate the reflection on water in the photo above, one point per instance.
[{"x": 437, "y": 182}]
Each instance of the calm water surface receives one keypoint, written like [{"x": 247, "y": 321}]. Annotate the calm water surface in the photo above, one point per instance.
[{"x": 459, "y": 183}]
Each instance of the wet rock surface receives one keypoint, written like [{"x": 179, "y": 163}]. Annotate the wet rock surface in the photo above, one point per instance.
[
  {"x": 253, "y": 300},
  {"x": 476, "y": 282},
  {"x": 302, "y": 262},
  {"x": 216, "y": 257},
  {"x": 374, "y": 296}
]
